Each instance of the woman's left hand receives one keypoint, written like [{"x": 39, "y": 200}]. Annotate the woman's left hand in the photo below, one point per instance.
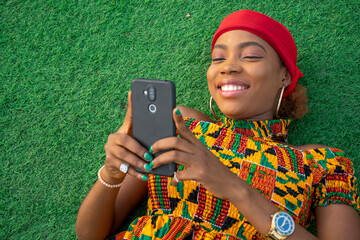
[{"x": 201, "y": 165}]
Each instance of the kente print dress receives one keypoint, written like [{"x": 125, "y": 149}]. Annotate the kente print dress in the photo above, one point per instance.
[{"x": 294, "y": 180}]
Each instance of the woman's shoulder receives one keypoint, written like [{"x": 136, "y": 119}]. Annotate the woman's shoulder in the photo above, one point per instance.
[
  {"x": 309, "y": 147},
  {"x": 192, "y": 113},
  {"x": 321, "y": 152}
]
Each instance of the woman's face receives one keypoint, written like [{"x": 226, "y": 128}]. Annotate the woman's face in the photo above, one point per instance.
[{"x": 246, "y": 76}]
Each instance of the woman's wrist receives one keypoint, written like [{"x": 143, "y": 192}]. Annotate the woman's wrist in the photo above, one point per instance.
[{"x": 109, "y": 181}]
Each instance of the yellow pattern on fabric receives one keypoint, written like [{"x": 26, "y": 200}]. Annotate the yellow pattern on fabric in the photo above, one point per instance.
[{"x": 294, "y": 180}]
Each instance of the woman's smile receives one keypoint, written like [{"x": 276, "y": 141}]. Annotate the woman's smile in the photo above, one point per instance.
[{"x": 231, "y": 87}]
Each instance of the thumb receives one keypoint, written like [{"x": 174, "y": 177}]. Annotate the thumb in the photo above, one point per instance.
[
  {"x": 182, "y": 129},
  {"x": 127, "y": 124}
]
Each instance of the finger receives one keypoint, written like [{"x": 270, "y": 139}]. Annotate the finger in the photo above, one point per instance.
[
  {"x": 179, "y": 157},
  {"x": 120, "y": 144},
  {"x": 180, "y": 176},
  {"x": 117, "y": 170},
  {"x": 182, "y": 128},
  {"x": 173, "y": 143},
  {"x": 127, "y": 124},
  {"x": 175, "y": 181},
  {"x": 136, "y": 174},
  {"x": 122, "y": 155}
]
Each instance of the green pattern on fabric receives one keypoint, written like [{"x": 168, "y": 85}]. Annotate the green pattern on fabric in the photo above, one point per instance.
[
  {"x": 225, "y": 156},
  {"x": 329, "y": 154},
  {"x": 217, "y": 209},
  {"x": 240, "y": 232},
  {"x": 202, "y": 139},
  {"x": 339, "y": 154},
  {"x": 204, "y": 127},
  {"x": 289, "y": 205},
  {"x": 294, "y": 163},
  {"x": 143, "y": 237},
  {"x": 258, "y": 145},
  {"x": 251, "y": 174},
  {"x": 180, "y": 189},
  {"x": 158, "y": 189},
  {"x": 265, "y": 162},
  {"x": 160, "y": 233},
  {"x": 188, "y": 123},
  {"x": 185, "y": 212},
  {"x": 236, "y": 143}
]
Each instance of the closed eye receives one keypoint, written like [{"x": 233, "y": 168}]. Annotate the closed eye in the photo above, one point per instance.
[
  {"x": 253, "y": 57},
  {"x": 218, "y": 59}
]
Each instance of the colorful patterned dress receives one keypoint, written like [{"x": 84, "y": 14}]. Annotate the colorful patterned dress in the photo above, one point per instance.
[{"x": 294, "y": 180}]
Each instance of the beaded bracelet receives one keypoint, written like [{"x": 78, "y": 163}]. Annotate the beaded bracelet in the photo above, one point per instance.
[{"x": 105, "y": 183}]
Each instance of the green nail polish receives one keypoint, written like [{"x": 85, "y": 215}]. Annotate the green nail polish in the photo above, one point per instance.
[
  {"x": 151, "y": 150},
  {"x": 148, "y": 157},
  {"x": 144, "y": 177},
  {"x": 147, "y": 167},
  {"x": 178, "y": 112}
]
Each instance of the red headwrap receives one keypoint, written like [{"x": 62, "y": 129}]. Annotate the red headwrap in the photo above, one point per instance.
[{"x": 273, "y": 32}]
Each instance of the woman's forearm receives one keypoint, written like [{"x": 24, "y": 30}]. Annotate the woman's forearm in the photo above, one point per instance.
[
  {"x": 258, "y": 210},
  {"x": 96, "y": 213}
]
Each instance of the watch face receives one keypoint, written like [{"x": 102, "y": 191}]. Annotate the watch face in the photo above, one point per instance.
[{"x": 284, "y": 223}]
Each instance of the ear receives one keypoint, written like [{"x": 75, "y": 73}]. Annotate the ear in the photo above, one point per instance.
[{"x": 286, "y": 77}]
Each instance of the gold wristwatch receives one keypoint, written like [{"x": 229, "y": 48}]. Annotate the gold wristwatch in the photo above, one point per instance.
[{"x": 282, "y": 226}]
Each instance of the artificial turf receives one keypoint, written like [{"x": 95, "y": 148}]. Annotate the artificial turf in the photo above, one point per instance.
[{"x": 66, "y": 67}]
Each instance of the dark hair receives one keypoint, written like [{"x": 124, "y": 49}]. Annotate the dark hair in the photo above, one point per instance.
[{"x": 295, "y": 105}]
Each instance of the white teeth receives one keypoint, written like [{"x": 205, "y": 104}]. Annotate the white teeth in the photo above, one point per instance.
[{"x": 232, "y": 87}]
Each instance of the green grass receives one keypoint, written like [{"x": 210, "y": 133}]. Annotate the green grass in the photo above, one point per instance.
[{"x": 66, "y": 67}]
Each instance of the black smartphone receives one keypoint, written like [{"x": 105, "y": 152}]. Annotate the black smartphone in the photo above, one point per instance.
[{"x": 152, "y": 104}]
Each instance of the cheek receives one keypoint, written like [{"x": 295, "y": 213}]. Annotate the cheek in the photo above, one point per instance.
[
  {"x": 211, "y": 75},
  {"x": 265, "y": 75}
]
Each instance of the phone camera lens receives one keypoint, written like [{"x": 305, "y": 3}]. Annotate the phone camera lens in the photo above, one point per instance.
[
  {"x": 152, "y": 93},
  {"x": 152, "y": 108}
]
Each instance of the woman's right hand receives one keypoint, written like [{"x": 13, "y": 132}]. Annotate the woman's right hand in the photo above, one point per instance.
[{"x": 121, "y": 147}]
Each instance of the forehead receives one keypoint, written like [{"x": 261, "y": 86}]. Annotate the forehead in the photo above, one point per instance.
[{"x": 236, "y": 37}]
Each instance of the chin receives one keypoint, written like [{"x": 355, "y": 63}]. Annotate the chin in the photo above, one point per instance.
[{"x": 235, "y": 114}]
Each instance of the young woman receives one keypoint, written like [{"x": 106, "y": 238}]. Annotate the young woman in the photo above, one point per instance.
[{"x": 236, "y": 178}]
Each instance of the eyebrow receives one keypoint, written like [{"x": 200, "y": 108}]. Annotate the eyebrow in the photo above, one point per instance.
[{"x": 242, "y": 45}]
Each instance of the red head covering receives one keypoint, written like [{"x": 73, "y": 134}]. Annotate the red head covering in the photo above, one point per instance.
[{"x": 273, "y": 32}]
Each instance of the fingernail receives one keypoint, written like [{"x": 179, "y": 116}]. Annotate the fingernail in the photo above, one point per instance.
[
  {"x": 178, "y": 112},
  {"x": 148, "y": 157},
  {"x": 144, "y": 177},
  {"x": 151, "y": 150},
  {"x": 148, "y": 166}
]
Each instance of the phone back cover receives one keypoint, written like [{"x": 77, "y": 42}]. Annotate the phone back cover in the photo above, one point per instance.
[{"x": 149, "y": 127}]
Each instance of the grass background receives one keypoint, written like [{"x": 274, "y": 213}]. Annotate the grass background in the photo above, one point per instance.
[{"x": 66, "y": 65}]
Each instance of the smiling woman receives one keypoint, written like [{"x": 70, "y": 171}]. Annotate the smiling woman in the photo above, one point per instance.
[
  {"x": 247, "y": 61},
  {"x": 237, "y": 178}
]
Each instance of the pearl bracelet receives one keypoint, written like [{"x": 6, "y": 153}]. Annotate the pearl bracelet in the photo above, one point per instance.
[{"x": 105, "y": 183}]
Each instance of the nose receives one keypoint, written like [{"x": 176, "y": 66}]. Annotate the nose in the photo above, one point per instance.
[{"x": 230, "y": 67}]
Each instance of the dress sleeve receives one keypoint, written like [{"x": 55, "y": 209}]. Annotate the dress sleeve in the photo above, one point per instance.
[{"x": 337, "y": 183}]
